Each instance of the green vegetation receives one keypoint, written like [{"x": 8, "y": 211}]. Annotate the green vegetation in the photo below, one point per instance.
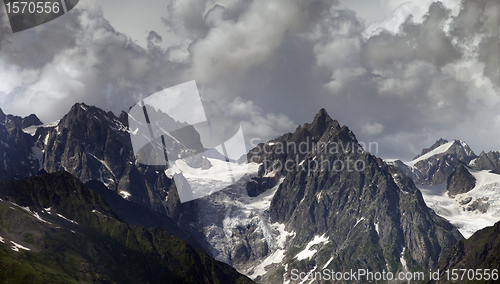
[{"x": 99, "y": 249}]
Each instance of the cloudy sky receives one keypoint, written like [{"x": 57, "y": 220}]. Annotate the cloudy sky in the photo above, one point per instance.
[{"x": 399, "y": 73}]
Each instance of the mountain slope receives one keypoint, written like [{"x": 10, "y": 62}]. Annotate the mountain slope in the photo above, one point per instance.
[
  {"x": 53, "y": 228},
  {"x": 95, "y": 146},
  {"x": 479, "y": 252}
]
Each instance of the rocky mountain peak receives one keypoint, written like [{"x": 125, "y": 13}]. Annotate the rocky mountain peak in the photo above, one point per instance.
[
  {"x": 16, "y": 147},
  {"x": 9, "y": 120},
  {"x": 460, "y": 181},
  {"x": 2, "y": 116},
  {"x": 486, "y": 161},
  {"x": 438, "y": 143},
  {"x": 322, "y": 121},
  {"x": 331, "y": 190}
]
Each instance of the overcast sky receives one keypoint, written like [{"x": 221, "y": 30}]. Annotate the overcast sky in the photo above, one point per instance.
[{"x": 399, "y": 73}]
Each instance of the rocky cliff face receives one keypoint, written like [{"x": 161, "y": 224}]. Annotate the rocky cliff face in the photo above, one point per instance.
[
  {"x": 460, "y": 181},
  {"x": 486, "y": 161},
  {"x": 95, "y": 146},
  {"x": 18, "y": 155}
]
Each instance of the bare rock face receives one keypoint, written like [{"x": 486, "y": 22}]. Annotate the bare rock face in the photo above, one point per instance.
[
  {"x": 486, "y": 161},
  {"x": 460, "y": 181},
  {"x": 17, "y": 154},
  {"x": 258, "y": 185}
]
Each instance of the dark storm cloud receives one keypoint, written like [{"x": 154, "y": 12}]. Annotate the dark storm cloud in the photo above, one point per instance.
[{"x": 426, "y": 42}]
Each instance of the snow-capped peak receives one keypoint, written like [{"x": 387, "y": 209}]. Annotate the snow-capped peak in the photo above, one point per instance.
[{"x": 441, "y": 149}]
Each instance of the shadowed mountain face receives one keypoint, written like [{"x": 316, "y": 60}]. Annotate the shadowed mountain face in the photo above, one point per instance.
[
  {"x": 480, "y": 253},
  {"x": 56, "y": 230},
  {"x": 17, "y": 155},
  {"x": 460, "y": 181}
]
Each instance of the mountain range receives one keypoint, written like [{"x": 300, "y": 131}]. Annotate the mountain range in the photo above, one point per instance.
[{"x": 311, "y": 200}]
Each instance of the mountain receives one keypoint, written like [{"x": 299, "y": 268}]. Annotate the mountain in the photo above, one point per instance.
[
  {"x": 486, "y": 161},
  {"x": 479, "y": 254},
  {"x": 19, "y": 156},
  {"x": 344, "y": 208},
  {"x": 287, "y": 212},
  {"x": 23, "y": 122},
  {"x": 458, "y": 185},
  {"x": 470, "y": 200},
  {"x": 56, "y": 230},
  {"x": 435, "y": 164}
]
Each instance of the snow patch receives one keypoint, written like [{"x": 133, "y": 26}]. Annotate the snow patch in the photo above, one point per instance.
[
  {"x": 402, "y": 259},
  {"x": 222, "y": 174},
  {"x": 307, "y": 252},
  {"x": 61, "y": 216},
  {"x": 376, "y": 228},
  {"x": 17, "y": 246},
  {"x": 328, "y": 262},
  {"x": 318, "y": 196},
  {"x": 31, "y": 130},
  {"x": 359, "y": 220},
  {"x": 275, "y": 257},
  {"x": 105, "y": 165},
  {"x": 125, "y": 194},
  {"x": 32, "y": 213}
]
